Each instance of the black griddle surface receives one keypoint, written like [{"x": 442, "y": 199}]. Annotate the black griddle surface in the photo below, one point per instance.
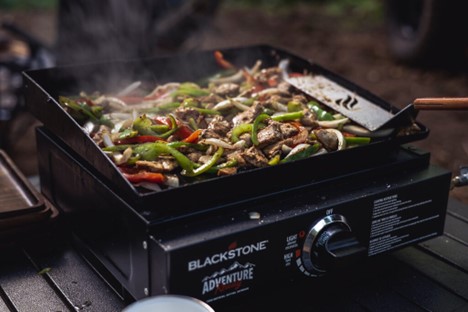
[{"x": 432, "y": 276}]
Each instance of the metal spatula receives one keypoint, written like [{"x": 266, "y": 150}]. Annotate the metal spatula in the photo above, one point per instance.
[
  {"x": 360, "y": 110},
  {"x": 351, "y": 105}
]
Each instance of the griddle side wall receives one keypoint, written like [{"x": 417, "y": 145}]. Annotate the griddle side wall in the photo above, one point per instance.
[{"x": 111, "y": 230}]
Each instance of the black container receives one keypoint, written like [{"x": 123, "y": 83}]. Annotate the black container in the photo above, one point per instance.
[
  {"x": 43, "y": 87},
  {"x": 24, "y": 213}
]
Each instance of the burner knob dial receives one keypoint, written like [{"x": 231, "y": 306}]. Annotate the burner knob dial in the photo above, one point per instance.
[{"x": 329, "y": 245}]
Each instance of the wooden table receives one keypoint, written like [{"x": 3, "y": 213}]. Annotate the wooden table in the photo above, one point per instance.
[{"x": 50, "y": 275}]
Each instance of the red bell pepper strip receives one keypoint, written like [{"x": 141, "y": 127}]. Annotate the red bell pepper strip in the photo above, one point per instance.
[
  {"x": 221, "y": 61},
  {"x": 145, "y": 176},
  {"x": 273, "y": 81},
  {"x": 193, "y": 137},
  {"x": 183, "y": 132},
  {"x": 295, "y": 74},
  {"x": 163, "y": 120}
]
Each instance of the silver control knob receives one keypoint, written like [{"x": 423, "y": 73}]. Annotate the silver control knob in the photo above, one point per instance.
[{"x": 330, "y": 244}]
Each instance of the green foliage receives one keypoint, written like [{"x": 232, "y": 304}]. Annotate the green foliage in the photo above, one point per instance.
[
  {"x": 27, "y": 4},
  {"x": 360, "y": 7},
  {"x": 337, "y": 7}
]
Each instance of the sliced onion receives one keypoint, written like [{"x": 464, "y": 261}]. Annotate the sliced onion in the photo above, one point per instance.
[
  {"x": 130, "y": 88},
  {"x": 255, "y": 68},
  {"x": 239, "y": 105},
  {"x": 115, "y": 101},
  {"x": 269, "y": 91},
  {"x": 333, "y": 123},
  {"x": 223, "y": 105},
  {"x": 232, "y": 102},
  {"x": 122, "y": 158},
  {"x": 361, "y": 131},
  {"x": 107, "y": 140},
  {"x": 164, "y": 90},
  {"x": 217, "y": 142},
  {"x": 119, "y": 116},
  {"x": 117, "y": 158},
  {"x": 341, "y": 139},
  {"x": 297, "y": 149},
  {"x": 234, "y": 78},
  {"x": 147, "y": 104},
  {"x": 126, "y": 155},
  {"x": 279, "y": 107},
  {"x": 89, "y": 127},
  {"x": 150, "y": 186},
  {"x": 321, "y": 151},
  {"x": 286, "y": 149},
  {"x": 283, "y": 65},
  {"x": 239, "y": 144},
  {"x": 171, "y": 180},
  {"x": 117, "y": 127}
]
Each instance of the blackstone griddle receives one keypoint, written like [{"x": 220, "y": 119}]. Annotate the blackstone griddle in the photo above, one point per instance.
[{"x": 227, "y": 237}]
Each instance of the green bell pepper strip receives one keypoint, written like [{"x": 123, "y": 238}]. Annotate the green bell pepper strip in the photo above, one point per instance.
[
  {"x": 238, "y": 130},
  {"x": 117, "y": 148},
  {"x": 190, "y": 102},
  {"x": 163, "y": 107},
  {"x": 310, "y": 150},
  {"x": 322, "y": 115},
  {"x": 206, "y": 111},
  {"x": 229, "y": 164},
  {"x": 288, "y": 116},
  {"x": 198, "y": 147},
  {"x": 143, "y": 124},
  {"x": 160, "y": 128},
  {"x": 357, "y": 140},
  {"x": 294, "y": 106},
  {"x": 275, "y": 160},
  {"x": 150, "y": 151},
  {"x": 173, "y": 129},
  {"x": 127, "y": 133},
  {"x": 206, "y": 166},
  {"x": 190, "y": 89},
  {"x": 80, "y": 110},
  {"x": 255, "y": 126},
  {"x": 192, "y": 123}
]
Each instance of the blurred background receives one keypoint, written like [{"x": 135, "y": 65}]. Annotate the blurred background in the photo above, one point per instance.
[{"x": 397, "y": 49}]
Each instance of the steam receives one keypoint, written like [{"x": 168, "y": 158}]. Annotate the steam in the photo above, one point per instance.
[
  {"x": 94, "y": 32},
  {"x": 107, "y": 30}
]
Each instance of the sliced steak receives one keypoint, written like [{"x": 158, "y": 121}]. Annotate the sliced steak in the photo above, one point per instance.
[{"x": 248, "y": 116}]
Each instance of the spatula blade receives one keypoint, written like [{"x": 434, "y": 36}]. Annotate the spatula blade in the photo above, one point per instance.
[{"x": 342, "y": 100}]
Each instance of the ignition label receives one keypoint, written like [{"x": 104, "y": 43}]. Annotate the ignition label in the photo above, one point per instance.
[{"x": 397, "y": 222}]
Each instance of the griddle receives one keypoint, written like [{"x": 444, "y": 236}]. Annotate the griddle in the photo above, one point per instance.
[
  {"x": 43, "y": 87},
  {"x": 227, "y": 239}
]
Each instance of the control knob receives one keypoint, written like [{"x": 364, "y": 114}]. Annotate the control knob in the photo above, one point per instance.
[{"x": 329, "y": 245}]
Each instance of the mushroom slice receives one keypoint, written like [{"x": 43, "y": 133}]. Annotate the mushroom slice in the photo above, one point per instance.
[{"x": 332, "y": 139}]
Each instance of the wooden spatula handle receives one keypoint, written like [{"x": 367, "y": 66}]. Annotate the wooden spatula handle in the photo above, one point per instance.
[{"x": 443, "y": 103}]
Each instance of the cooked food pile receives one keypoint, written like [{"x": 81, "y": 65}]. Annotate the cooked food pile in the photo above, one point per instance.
[{"x": 240, "y": 119}]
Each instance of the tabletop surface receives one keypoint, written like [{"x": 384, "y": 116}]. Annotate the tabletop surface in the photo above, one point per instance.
[{"x": 431, "y": 276}]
